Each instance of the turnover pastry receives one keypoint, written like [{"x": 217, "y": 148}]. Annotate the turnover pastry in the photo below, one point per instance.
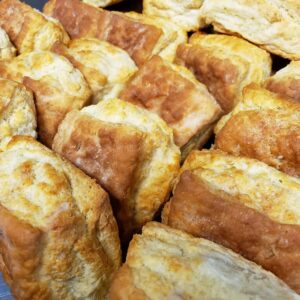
[
  {"x": 130, "y": 152},
  {"x": 185, "y": 13},
  {"x": 244, "y": 205},
  {"x": 263, "y": 126},
  {"x": 163, "y": 263},
  {"x": 57, "y": 86},
  {"x": 105, "y": 67},
  {"x": 59, "y": 239},
  {"x": 286, "y": 82},
  {"x": 17, "y": 111},
  {"x": 83, "y": 20},
  {"x": 28, "y": 29},
  {"x": 225, "y": 64},
  {"x": 7, "y": 50},
  {"x": 176, "y": 96},
  {"x": 273, "y": 25}
]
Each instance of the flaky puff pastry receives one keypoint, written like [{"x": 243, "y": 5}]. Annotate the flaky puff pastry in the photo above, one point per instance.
[
  {"x": 263, "y": 126},
  {"x": 57, "y": 86},
  {"x": 273, "y": 25},
  {"x": 164, "y": 263},
  {"x": 242, "y": 204},
  {"x": 286, "y": 82},
  {"x": 131, "y": 153},
  {"x": 101, "y": 3},
  {"x": 59, "y": 238},
  {"x": 177, "y": 97},
  {"x": 172, "y": 34},
  {"x": 7, "y": 50},
  {"x": 28, "y": 29},
  {"x": 82, "y": 20},
  {"x": 105, "y": 67},
  {"x": 185, "y": 13},
  {"x": 225, "y": 64},
  {"x": 17, "y": 111}
]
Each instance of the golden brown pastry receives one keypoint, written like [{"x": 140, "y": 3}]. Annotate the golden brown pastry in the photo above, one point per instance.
[
  {"x": 130, "y": 152},
  {"x": 17, "y": 111},
  {"x": 57, "y": 86},
  {"x": 101, "y": 3},
  {"x": 286, "y": 82},
  {"x": 59, "y": 239},
  {"x": 175, "y": 95},
  {"x": 83, "y": 20},
  {"x": 105, "y": 67},
  {"x": 164, "y": 263},
  {"x": 7, "y": 50},
  {"x": 244, "y": 205},
  {"x": 28, "y": 29},
  {"x": 273, "y": 25},
  {"x": 225, "y": 64},
  {"x": 172, "y": 34},
  {"x": 185, "y": 13},
  {"x": 263, "y": 126}
]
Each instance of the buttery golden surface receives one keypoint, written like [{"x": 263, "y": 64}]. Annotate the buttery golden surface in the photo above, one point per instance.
[
  {"x": 164, "y": 263},
  {"x": 57, "y": 86},
  {"x": 273, "y": 25},
  {"x": 105, "y": 67},
  {"x": 263, "y": 126},
  {"x": 175, "y": 95},
  {"x": 28, "y": 29},
  {"x": 225, "y": 64},
  {"x": 17, "y": 111},
  {"x": 7, "y": 50},
  {"x": 242, "y": 204},
  {"x": 131, "y": 153},
  {"x": 101, "y": 3},
  {"x": 59, "y": 239}
]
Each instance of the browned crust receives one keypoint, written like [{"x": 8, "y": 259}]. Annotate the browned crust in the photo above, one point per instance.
[
  {"x": 82, "y": 20},
  {"x": 219, "y": 75},
  {"x": 200, "y": 212}
]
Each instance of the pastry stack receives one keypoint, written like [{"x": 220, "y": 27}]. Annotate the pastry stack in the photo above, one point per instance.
[{"x": 150, "y": 155}]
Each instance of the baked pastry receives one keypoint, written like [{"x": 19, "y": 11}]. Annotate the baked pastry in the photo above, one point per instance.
[
  {"x": 129, "y": 151},
  {"x": 83, "y": 20},
  {"x": 263, "y": 126},
  {"x": 17, "y": 111},
  {"x": 186, "y": 13},
  {"x": 59, "y": 238},
  {"x": 57, "y": 86},
  {"x": 225, "y": 64},
  {"x": 105, "y": 67},
  {"x": 177, "y": 97},
  {"x": 172, "y": 34},
  {"x": 244, "y": 205},
  {"x": 272, "y": 25},
  {"x": 101, "y": 3},
  {"x": 286, "y": 82},
  {"x": 7, "y": 50},
  {"x": 28, "y": 29},
  {"x": 164, "y": 263}
]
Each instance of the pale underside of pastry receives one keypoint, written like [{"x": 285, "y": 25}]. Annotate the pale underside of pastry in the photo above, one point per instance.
[
  {"x": 186, "y": 13},
  {"x": 286, "y": 82},
  {"x": 242, "y": 204},
  {"x": 17, "y": 111},
  {"x": 7, "y": 50},
  {"x": 172, "y": 34},
  {"x": 29, "y": 29},
  {"x": 263, "y": 126},
  {"x": 83, "y": 20},
  {"x": 129, "y": 151},
  {"x": 57, "y": 86},
  {"x": 101, "y": 3},
  {"x": 164, "y": 263},
  {"x": 273, "y": 25},
  {"x": 176, "y": 96},
  {"x": 105, "y": 67},
  {"x": 59, "y": 239},
  {"x": 225, "y": 64}
]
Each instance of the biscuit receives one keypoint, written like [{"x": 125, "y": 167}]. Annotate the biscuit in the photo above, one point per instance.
[{"x": 7, "y": 50}]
